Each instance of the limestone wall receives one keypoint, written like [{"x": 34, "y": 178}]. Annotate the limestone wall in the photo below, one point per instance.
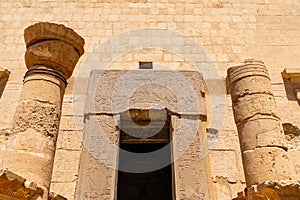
[{"x": 228, "y": 31}]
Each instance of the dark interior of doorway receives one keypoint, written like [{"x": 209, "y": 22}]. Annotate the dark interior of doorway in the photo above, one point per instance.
[{"x": 155, "y": 185}]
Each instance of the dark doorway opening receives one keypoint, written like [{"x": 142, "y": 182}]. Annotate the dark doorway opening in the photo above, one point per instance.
[
  {"x": 141, "y": 134},
  {"x": 153, "y": 185}
]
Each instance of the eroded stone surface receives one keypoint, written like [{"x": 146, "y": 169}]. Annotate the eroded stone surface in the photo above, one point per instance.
[
  {"x": 262, "y": 164},
  {"x": 116, "y": 91},
  {"x": 292, "y": 135},
  {"x": 30, "y": 154},
  {"x": 251, "y": 85},
  {"x": 50, "y": 58},
  {"x": 261, "y": 132},
  {"x": 256, "y": 104},
  {"x": 98, "y": 161},
  {"x": 192, "y": 172},
  {"x": 43, "y": 88},
  {"x": 42, "y": 117}
]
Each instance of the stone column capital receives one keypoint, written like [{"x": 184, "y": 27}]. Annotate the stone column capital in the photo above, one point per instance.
[
  {"x": 52, "y": 53},
  {"x": 54, "y": 46}
]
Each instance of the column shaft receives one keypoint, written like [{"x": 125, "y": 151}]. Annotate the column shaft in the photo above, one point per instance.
[
  {"x": 52, "y": 53},
  {"x": 30, "y": 149},
  {"x": 260, "y": 130}
]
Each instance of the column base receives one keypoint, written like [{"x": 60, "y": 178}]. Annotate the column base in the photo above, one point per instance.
[
  {"x": 13, "y": 187},
  {"x": 275, "y": 190}
]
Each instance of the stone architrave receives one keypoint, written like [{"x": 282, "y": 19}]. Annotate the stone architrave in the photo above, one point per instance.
[
  {"x": 261, "y": 136},
  {"x": 52, "y": 53}
]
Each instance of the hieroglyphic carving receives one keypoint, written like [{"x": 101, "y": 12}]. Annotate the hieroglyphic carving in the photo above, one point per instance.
[
  {"x": 145, "y": 90},
  {"x": 191, "y": 172}
]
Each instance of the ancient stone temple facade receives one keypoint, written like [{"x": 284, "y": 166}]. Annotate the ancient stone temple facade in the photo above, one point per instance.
[{"x": 150, "y": 99}]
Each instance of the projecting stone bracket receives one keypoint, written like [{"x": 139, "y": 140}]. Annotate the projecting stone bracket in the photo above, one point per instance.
[{"x": 291, "y": 78}]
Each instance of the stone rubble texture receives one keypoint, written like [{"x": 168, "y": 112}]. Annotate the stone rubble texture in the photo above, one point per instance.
[{"x": 228, "y": 30}]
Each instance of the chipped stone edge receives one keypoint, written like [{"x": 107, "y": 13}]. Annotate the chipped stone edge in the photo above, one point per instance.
[
  {"x": 280, "y": 186},
  {"x": 27, "y": 186}
]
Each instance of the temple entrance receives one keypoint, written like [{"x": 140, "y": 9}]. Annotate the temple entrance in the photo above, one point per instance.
[
  {"x": 150, "y": 185},
  {"x": 145, "y": 186}
]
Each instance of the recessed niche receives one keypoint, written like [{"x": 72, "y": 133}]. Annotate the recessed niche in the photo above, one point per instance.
[{"x": 145, "y": 65}]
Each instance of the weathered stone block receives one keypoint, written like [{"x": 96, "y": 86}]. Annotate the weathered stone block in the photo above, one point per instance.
[
  {"x": 221, "y": 158},
  {"x": 191, "y": 166},
  {"x": 69, "y": 140},
  {"x": 294, "y": 157},
  {"x": 102, "y": 177},
  {"x": 117, "y": 91},
  {"x": 18, "y": 159},
  {"x": 99, "y": 158},
  {"x": 250, "y": 77},
  {"x": 250, "y": 105},
  {"x": 45, "y": 88},
  {"x": 66, "y": 165},
  {"x": 42, "y": 117},
  {"x": 261, "y": 132},
  {"x": 267, "y": 163},
  {"x": 250, "y": 85}
]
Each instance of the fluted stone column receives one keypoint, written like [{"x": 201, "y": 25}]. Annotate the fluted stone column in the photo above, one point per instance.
[
  {"x": 260, "y": 130},
  {"x": 52, "y": 53}
]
